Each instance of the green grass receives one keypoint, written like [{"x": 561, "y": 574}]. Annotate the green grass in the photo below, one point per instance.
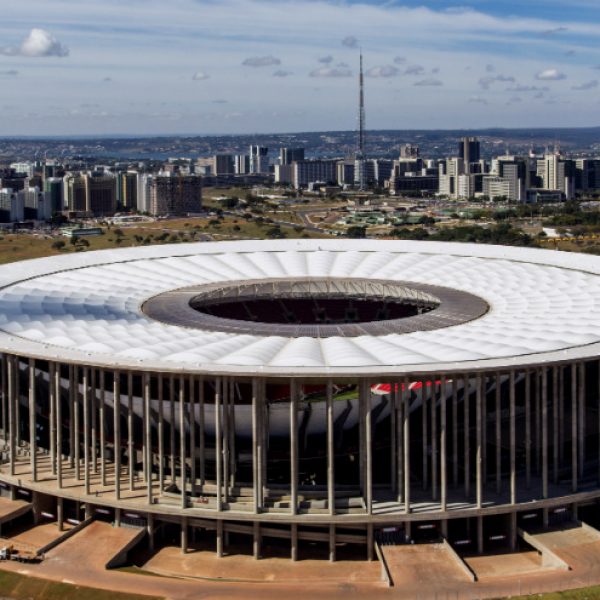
[
  {"x": 20, "y": 587},
  {"x": 591, "y": 593}
]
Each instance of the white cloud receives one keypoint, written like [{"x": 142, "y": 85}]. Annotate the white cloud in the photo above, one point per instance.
[
  {"x": 261, "y": 61},
  {"x": 382, "y": 72},
  {"x": 414, "y": 70},
  {"x": 477, "y": 100},
  {"x": 333, "y": 72},
  {"x": 400, "y": 60},
  {"x": 550, "y": 75},
  {"x": 38, "y": 43},
  {"x": 9, "y": 73},
  {"x": 200, "y": 76},
  {"x": 282, "y": 73},
  {"x": 350, "y": 42},
  {"x": 431, "y": 81},
  {"x": 486, "y": 82},
  {"x": 326, "y": 60},
  {"x": 590, "y": 85},
  {"x": 526, "y": 88}
]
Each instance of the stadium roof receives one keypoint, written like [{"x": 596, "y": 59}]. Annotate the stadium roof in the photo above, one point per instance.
[{"x": 544, "y": 306}]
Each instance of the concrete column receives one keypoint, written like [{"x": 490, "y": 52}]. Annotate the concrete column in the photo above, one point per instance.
[
  {"x": 192, "y": 424},
  {"x": 32, "y": 420},
  {"x": 130, "y": 446},
  {"x": 561, "y": 412},
  {"x": 513, "y": 531},
  {"x": 544, "y": 374},
  {"x": 218, "y": 446},
  {"x": 150, "y": 531},
  {"x": 467, "y": 438},
  {"x": 399, "y": 449},
  {"x": 18, "y": 419},
  {"x": 443, "y": 459},
  {"x": 513, "y": 439},
  {"x": 294, "y": 544},
  {"x": 3, "y": 360},
  {"x": 480, "y": 535},
  {"x": 59, "y": 429},
  {"x": 332, "y": 542},
  {"x": 202, "y": 434},
  {"x": 498, "y": 434},
  {"x": 528, "y": 428},
  {"x": 330, "y": 450},
  {"x": 60, "y": 518},
  {"x": 161, "y": 434},
  {"x": 255, "y": 447},
  {"x": 256, "y": 539},
  {"x": 232, "y": 430},
  {"x": 538, "y": 421},
  {"x": 117, "y": 428},
  {"x": 226, "y": 438},
  {"x": 368, "y": 447},
  {"x": 555, "y": 424},
  {"x": 574, "y": 471},
  {"x": 370, "y": 542},
  {"x": 117, "y": 517},
  {"x": 479, "y": 449},
  {"x": 406, "y": 440},
  {"x": 173, "y": 428},
  {"x": 454, "y": 432},
  {"x": 88, "y": 512},
  {"x": 51, "y": 416},
  {"x": 293, "y": 447},
  {"x": 71, "y": 400},
  {"x": 102, "y": 417},
  {"x": 182, "y": 449},
  {"x": 219, "y": 538},
  {"x": 434, "y": 442},
  {"x": 76, "y": 418},
  {"x": 184, "y": 535},
  {"x": 86, "y": 430},
  {"x": 148, "y": 438},
  {"x": 424, "y": 434},
  {"x": 93, "y": 402},
  {"x": 264, "y": 477},
  {"x": 393, "y": 439},
  {"x": 10, "y": 370},
  {"x": 581, "y": 418}
]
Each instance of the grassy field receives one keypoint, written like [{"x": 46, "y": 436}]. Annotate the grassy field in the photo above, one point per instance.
[
  {"x": 19, "y": 587},
  {"x": 591, "y": 593}
]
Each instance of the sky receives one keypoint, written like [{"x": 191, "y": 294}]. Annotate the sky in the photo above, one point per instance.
[{"x": 129, "y": 67}]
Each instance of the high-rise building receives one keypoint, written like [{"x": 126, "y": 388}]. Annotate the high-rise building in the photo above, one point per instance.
[
  {"x": 289, "y": 155},
  {"x": 409, "y": 151},
  {"x": 144, "y": 187},
  {"x": 313, "y": 171},
  {"x": 449, "y": 172},
  {"x": 129, "y": 184},
  {"x": 469, "y": 150},
  {"x": 23, "y": 168},
  {"x": 174, "y": 194},
  {"x": 53, "y": 186},
  {"x": 241, "y": 164},
  {"x": 223, "y": 164},
  {"x": 558, "y": 173},
  {"x": 259, "y": 159},
  {"x": 101, "y": 193},
  {"x": 75, "y": 192}
]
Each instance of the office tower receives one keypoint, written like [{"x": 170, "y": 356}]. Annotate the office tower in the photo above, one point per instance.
[
  {"x": 144, "y": 186},
  {"x": 449, "y": 172},
  {"x": 12, "y": 180},
  {"x": 382, "y": 170},
  {"x": 345, "y": 172},
  {"x": 409, "y": 151},
  {"x": 175, "y": 194},
  {"x": 11, "y": 206},
  {"x": 289, "y": 155},
  {"x": 558, "y": 174},
  {"x": 284, "y": 174},
  {"x": 470, "y": 151},
  {"x": 259, "y": 159},
  {"x": 53, "y": 186},
  {"x": 223, "y": 164},
  {"x": 129, "y": 183},
  {"x": 36, "y": 204},
  {"x": 587, "y": 174},
  {"x": 313, "y": 171},
  {"x": 101, "y": 193},
  {"x": 75, "y": 192},
  {"x": 241, "y": 164},
  {"x": 22, "y": 168}
]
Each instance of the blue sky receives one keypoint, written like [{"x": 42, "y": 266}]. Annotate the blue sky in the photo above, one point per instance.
[{"x": 243, "y": 66}]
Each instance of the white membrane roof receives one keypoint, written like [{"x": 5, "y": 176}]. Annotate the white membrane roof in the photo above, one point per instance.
[{"x": 86, "y": 307}]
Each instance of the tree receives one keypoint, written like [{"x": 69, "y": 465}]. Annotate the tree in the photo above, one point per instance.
[
  {"x": 357, "y": 232},
  {"x": 58, "y": 244}
]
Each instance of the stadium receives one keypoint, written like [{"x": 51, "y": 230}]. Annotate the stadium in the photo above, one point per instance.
[{"x": 322, "y": 395}]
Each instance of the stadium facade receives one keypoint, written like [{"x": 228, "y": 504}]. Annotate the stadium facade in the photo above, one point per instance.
[{"x": 322, "y": 393}]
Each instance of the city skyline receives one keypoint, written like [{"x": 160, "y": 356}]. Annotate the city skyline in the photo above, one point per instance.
[{"x": 245, "y": 66}]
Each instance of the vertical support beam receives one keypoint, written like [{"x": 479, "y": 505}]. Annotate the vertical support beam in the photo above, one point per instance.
[
  {"x": 182, "y": 457},
  {"x": 555, "y": 424},
  {"x": 294, "y": 545},
  {"x": 424, "y": 434},
  {"x": 232, "y": 431},
  {"x": 443, "y": 446},
  {"x": 76, "y": 420},
  {"x": 561, "y": 412},
  {"x": 226, "y": 439},
  {"x": 332, "y": 556},
  {"x": 538, "y": 420},
  {"x": 161, "y": 434},
  {"x": 499, "y": 433},
  {"x": 71, "y": 399},
  {"x": 173, "y": 427},
  {"x": 51, "y": 416},
  {"x": 202, "y": 434},
  {"x": 264, "y": 477},
  {"x": 32, "y": 420},
  {"x": 399, "y": 449},
  {"x": 59, "y": 429},
  {"x": 192, "y": 418},
  {"x": 370, "y": 542},
  {"x": 528, "y": 428},
  {"x": 219, "y": 533},
  {"x": 184, "y": 535},
  {"x": 86, "y": 430},
  {"x": 293, "y": 446},
  {"x": 12, "y": 434},
  {"x": 255, "y": 448},
  {"x": 574, "y": 471},
  {"x": 148, "y": 438},
  {"x": 102, "y": 427},
  {"x": 60, "y": 515},
  {"x": 544, "y": 373},
  {"x": 93, "y": 400},
  {"x": 513, "y": 438},
  {"x": 218, "y": 446},
  {"x": 581, "y": 418},
  {"x": 330, "y": 449},
  {"x": 256, "y": 539},
  {"x": 455, "y": 432},
  {"x": 480, "y": 535},
  {"x": 150, "y": 531},
  {"x": 117, "y": 428},
  {"x": 406, "y": 440},
  {"x": 434, "y": 441},
  {"x": 130, "y": 447},
  {"x": 4, "y": 360},
  {"x": 513, "y": 530},
  {"x": 18, "y": 419},
  {"x": 467, "y": 437},
  {"x": 479, "y": 449},
  {"x": 368, "y": 446},
  {"x": 393, "y": 402}
]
